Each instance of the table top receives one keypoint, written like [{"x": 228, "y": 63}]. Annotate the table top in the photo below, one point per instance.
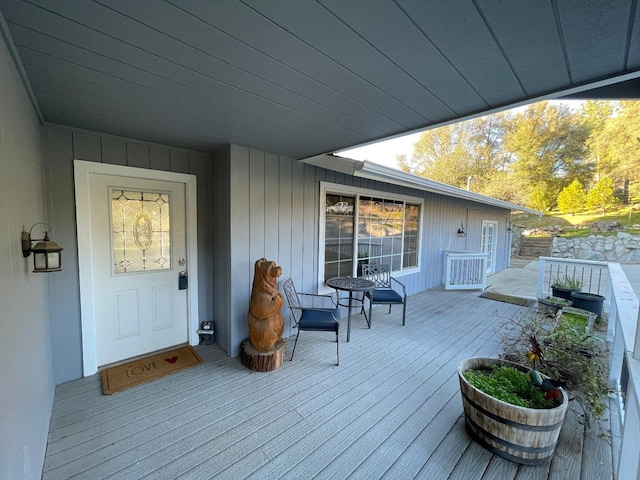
[{"x": 352, "y": 284}]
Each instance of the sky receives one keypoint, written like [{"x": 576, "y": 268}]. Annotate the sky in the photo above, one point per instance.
[{"x": 385, "y": 152}]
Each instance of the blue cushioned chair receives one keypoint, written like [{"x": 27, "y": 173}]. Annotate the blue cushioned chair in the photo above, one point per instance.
[
  {"x": 312, "y": 318},
  {"x": 384, "y": 292}
]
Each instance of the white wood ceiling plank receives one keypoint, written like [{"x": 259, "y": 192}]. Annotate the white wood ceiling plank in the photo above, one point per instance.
[
  {"x": 530, "y": 39},
  {"x": 633, "y": 62},
  {"x": 304, "y": 77},
  {"x": 220, "y": 28},
  {"x": 44, "y": 68},
  {"x": 176, "y": 87},
  {"x": 459, "y": 32},
  {"x": 324, "y": 32},
  {"x": 168, "y": 117},
  {"x": 387, "y": 28},
  {"x": 253, "y": 29},
  {"x": 595, "y": 33},
  {"x": 89, "y": 120},
  {"x": 95, "y": 122},
  {"x": 111, "y": 33}
]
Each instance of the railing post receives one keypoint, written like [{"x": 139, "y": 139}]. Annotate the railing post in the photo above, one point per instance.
[
  {"x": 542, "y": 268},
  {"x": 447, "y": 269},
  {"x": 612, "y": 316},
  {"x": 636, "y": 343},
  {"x": 629, "y": 464},
  {"x": 616, "y": 358}
]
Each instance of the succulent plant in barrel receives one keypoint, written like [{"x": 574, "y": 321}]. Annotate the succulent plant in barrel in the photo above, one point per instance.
[{"x": 511, "y": 409}]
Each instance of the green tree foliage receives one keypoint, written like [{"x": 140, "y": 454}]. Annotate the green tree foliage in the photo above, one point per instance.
[
  {"x": 528, "y": 156},
  {"x": 540, "y": 197},
  {"x": 616, "y": 143},
  {"x": 547, "y": 145},
  {"x": 461, "y": 153},
  {"x": 601, "y": 195},
  {"x": 572, "y": 198},
  {"x": 595, "y": 113}
]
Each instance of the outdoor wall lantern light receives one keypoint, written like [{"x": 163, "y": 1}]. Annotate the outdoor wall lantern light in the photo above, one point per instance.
[
  {"x": 461, "y": 232},
  {"x": 46, "y": 253}
]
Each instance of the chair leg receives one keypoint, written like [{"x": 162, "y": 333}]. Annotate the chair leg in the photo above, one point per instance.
[
  {"x": 337, "y": 350},
  {"x": 363, "y": 311},
  {"x": 404, "y": 312},
  {"x": 294, "y": 346}
]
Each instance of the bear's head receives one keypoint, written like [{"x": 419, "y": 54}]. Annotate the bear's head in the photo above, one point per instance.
[{"x": 266, "y": 275}]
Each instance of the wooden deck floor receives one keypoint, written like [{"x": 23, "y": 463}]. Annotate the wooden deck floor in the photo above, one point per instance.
[{"x": 390, "y": 410}]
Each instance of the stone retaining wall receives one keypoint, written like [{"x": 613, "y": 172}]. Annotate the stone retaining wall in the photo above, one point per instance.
[{"x": 621, "y": 248}]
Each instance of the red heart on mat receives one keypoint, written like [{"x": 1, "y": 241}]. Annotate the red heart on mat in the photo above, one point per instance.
[{"x": 173, "y": 359}]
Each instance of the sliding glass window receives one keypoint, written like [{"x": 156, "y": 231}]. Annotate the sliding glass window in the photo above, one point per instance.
[{"x": 380, "y": 229}]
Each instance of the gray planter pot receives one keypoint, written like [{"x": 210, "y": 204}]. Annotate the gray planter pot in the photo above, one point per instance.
[
  {"x": 551, "y": 305},
  {"x": 562, "y": 292},
  {"x": 588, "y": 301}
]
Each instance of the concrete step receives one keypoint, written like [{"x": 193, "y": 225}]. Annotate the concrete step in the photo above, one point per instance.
[{"x": 535, "y": 246}]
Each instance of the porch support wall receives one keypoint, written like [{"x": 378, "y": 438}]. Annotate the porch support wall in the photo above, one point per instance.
[
  {"x": 268, "y": 206},
  {"x": 26, "y": 376},
  {"x": 63, "y": 145}
]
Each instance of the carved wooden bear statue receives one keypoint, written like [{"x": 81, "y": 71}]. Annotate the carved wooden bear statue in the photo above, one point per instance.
[{"x": 266, "y": 323}]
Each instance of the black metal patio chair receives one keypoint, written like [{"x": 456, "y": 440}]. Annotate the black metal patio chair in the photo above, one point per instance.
[
  {"x": 384, "y": 292},
  {"x": 312, "y": 318}
]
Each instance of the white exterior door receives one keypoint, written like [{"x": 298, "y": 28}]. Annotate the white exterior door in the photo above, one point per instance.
[
  {"x": 132, "y": 253},
  {"x": 490, "y": 243},
  {"x": 138, "y": 233}
]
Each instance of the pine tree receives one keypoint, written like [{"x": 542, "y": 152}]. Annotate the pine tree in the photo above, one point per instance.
[
  {"x": 572, "y": 198},
  {"x": 601, "y": 195}
]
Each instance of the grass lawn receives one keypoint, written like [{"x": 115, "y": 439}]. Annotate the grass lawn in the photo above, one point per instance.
[{"x": 573, "y": 225}]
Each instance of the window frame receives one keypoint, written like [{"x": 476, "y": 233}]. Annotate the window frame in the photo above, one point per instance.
[{"x": 357, "y": 192}]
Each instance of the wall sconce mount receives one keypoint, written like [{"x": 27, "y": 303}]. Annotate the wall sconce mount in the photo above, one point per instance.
[
  {"x": 46, "y": 253},
  {"x": 461, "y": 232}
]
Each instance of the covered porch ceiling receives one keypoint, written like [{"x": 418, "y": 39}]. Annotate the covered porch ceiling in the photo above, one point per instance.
[{"x": 302, "y": 78}]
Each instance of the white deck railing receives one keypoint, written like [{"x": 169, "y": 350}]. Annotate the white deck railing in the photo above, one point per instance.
[
  {"x": 465, "y": 270},
  {"x": 593, "y": 275},
  {"x": 623, "y": 335}
]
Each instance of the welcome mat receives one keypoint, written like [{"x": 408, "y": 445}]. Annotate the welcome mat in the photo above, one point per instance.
[
  {"x": 523, "y": 302},
  {"x": 130, "y": 374}
]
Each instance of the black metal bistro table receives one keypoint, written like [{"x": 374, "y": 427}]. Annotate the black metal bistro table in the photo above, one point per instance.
[{"x": 350, "y": 284}]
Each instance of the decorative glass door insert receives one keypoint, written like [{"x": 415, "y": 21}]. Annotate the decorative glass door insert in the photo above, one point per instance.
[{"x": 140, "y": 222}]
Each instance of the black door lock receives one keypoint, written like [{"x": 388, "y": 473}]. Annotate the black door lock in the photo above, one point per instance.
[{"x": 183, "y": 281}]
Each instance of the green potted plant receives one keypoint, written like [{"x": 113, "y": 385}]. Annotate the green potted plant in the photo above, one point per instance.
[
  {"x": 578, "y": 318},
  {"x": 575, "y": 352},
  {"x": 510, "y": 409},
  {"x": 564, "y": 285}
]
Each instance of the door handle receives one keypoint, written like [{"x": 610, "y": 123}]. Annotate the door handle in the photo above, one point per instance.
[{"x": 183, "y": 281}]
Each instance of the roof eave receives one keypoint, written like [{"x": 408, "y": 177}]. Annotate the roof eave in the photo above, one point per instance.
[{"x": 374, "y": 171}]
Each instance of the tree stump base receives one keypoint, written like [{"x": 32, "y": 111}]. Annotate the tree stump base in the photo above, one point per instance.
[{"x": 262, "y": 361}]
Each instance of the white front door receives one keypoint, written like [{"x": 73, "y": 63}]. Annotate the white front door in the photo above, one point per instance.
[
  {"x": 490, "y": 243},
  {"x": 133, "y": 248},
  {"x": 138, "y": 236}
]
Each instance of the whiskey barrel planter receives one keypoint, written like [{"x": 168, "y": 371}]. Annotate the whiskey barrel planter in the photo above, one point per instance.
[{"x": 523, "y": 435}]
